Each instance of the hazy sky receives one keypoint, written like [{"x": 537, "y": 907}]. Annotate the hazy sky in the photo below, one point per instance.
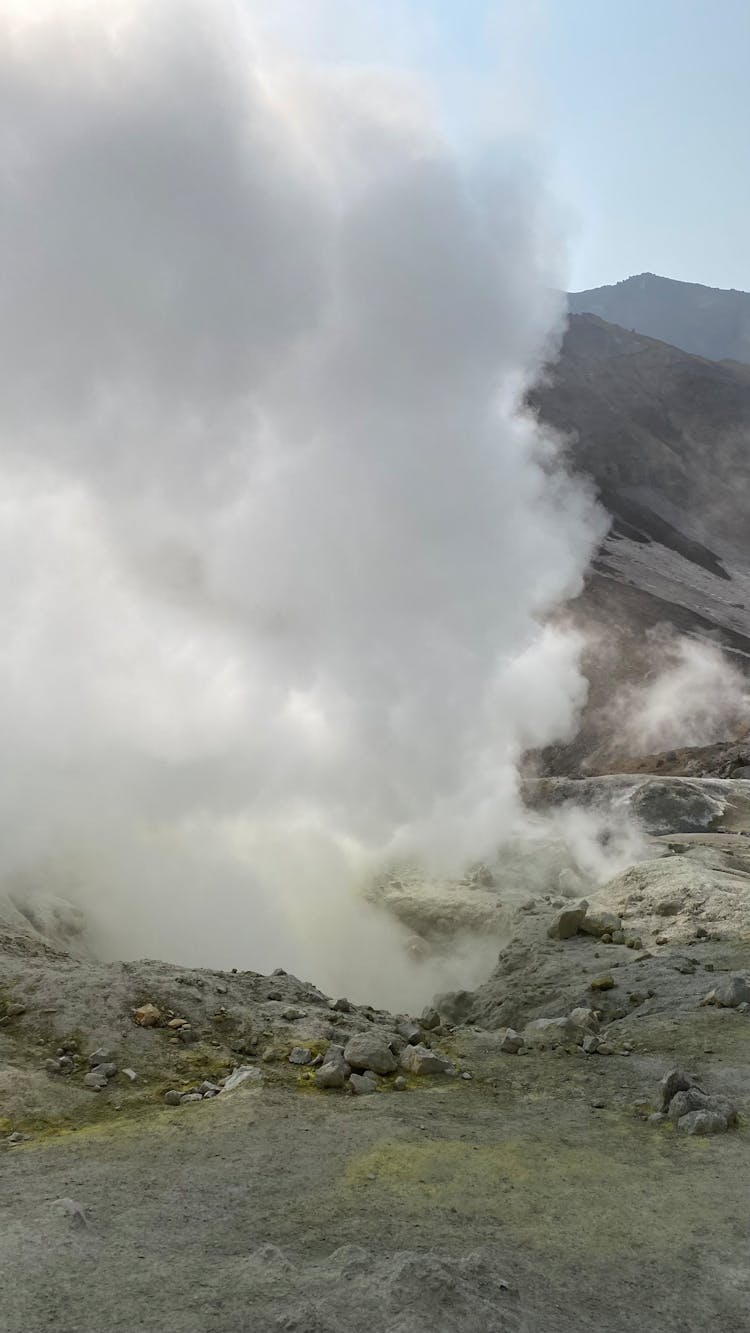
[{"x": 641, "y": 109}]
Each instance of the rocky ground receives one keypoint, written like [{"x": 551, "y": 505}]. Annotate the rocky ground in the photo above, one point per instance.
[{"x": 563, "y": 1149}]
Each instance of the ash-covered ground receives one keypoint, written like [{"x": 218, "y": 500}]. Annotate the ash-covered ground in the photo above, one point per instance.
[{"x": 221, "y": 1151}]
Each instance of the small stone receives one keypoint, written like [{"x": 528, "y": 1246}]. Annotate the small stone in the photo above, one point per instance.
[
  {"x": 66, "y": 1064},
  {"x": 604, "y": 982},
  {"x": 633, "y": 942},
  {"x": 599, "y": 1104},
  {"x": 173, "y": 1097},
  {"x": 208, "y": 1087},
  {"x": 52, "y": 1066},
  {"x": 16, "y": 1137},
  {"x": 604, "y": 1048},
  {"x": 466, "y": 1076},
  {"x": 130, "y": 1075},
  {"x": 618, "y": 936},
  {"x": 269, "y": 1054},
  {"x": 147, "y": 1016},
  {"x": 291, "y": 1014},
  {"x": 662, "y": 939},
  {"x": 656, "y": 1118},
  {"x": 177, "y": 1023},
  {"x": 591, "y": 1044},
  {"x": 300, "y": 1055},
  {"x": 341, "y": 1006},
  {"x": 186, "y": 1035},
  {"x": 188, "y": 1097},
  {"x": 400, "y": 1084}
]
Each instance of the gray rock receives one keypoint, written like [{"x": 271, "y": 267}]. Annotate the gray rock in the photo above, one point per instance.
[
  {"x": 657, "y": 1118},
  {"x": 675, "y": 1081},
  {"x": 567, "y": 923},
  {"x": 341, "y": 1006},
  {"x": 186, "y": 1035},
  {"x": 108, "y": 1070},
  {"x": 409, "y": 1031},
  {"x": 600, "y": 923},
  {"x": 429, "y": 1018},
  {"x": 243, "y": 1074},
  {"x": 591, "y": 1043},
  {"x": 130, "y": 1075},
  {"x": 16, "y": 1137},
  {"x": 95, "y": 1080},
  {"x": 208, "y": 1087},
  {"x": 421, "y": 1060},
  {"x": 553, "y": 1032},
  {"x": 332, "y": 1074},
  {"x": 53, "y": 1066},
  {"x": 510, "y": 1042},
  {"x": 188, "y": 1097},
  {"x": 292, "y": 1014},
  {"x": 300, "y": 1055},
  {"x": 66, "y": 1064},
  {"x": 400, "y": 1084},
  {"x": 368, "y": 1050},
  {"x": 361, "y": 1085},
  {"x": 702, "y": 1122},
  {"x": 730, "y": 993},
  {"x": 585, "y": 1018},
  {"x": 692, "y": 1099},
  {"x": 100, "y": 1057},
  {"x": 173, "y": 1097}
]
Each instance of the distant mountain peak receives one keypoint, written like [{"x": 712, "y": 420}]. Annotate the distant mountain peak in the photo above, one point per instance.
[{"x": 711, "y": 322}]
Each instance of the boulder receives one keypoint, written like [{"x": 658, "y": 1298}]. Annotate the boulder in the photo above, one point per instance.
[
  {"x": 332, "y": 1074},
  {"x": 421, "y": 1060},
  {"x": 675, "y": 1081},
  {"x": 730, "y": 993},
  {"x": 567, "y": 923},
  {"x": 553, "y": 1032},
  {"x": 585, "y": 1018},
  {"x": 702, "y": 1122},
  {"x": 510, "y": 1041},
  {"x": 361, "y": 1085},
  {"x": 368, "y": 1050},
  {"x": 692, "y": 1099},
  {"x": 147, "y": 1016},
  {"x": 429, "y": 1018},
  {"x": 599, "y": 923}
]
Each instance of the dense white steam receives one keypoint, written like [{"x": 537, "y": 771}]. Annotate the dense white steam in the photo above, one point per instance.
[
  {"x": 696, "y": 696},
  {"x": 275, "y": 538}
]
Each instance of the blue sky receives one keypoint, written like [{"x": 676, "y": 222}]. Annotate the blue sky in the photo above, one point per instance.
[{"x": 639, "y": 110}]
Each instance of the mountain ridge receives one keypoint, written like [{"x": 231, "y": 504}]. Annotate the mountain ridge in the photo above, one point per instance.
[{"x": 711, "y": 322}]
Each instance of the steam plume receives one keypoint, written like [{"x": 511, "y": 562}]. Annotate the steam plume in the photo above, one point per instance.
[{"x": 275, "y": 536}]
